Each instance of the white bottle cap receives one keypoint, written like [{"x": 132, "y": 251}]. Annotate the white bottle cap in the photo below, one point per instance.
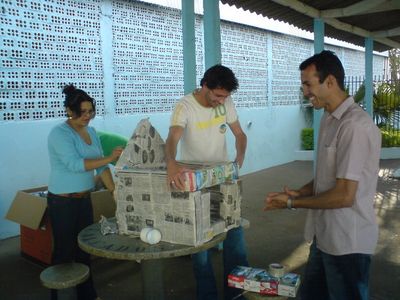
[
  {"x": 150, "y": 235},
  {"x": 153, "y": 236}
]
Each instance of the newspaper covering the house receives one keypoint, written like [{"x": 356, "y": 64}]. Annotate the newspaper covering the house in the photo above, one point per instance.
[
  {"x": 190, "y": 218},
  {"x": 145, "y": 201},
  {"x": 210, "y": 205},
  {"x": 145, "y": 149}
]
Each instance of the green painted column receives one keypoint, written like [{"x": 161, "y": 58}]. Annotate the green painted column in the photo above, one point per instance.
[
  {"x": 369, "y": 46},
  {"x": 212, "y": 33},
  {"x": 212, "y": 40},
  {"x": 319, "y": 33},
  {"x": 189, "y": 46}
]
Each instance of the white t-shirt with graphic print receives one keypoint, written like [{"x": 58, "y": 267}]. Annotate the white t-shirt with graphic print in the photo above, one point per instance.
[{"x": 203, "y": 138}]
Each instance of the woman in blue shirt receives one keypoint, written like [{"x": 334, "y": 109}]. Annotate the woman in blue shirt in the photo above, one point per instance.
[{"x": 75, "y": 154}]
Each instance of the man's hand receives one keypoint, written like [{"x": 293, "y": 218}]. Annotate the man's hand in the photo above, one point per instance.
[
  {"x": 240, "y": 142},
  {"x": 239, "y": 160},
  {"x": 175, "y": 177},
  {"x": 278, "y": 200}
]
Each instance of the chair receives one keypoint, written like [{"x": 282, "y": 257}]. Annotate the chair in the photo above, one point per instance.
[{"x": 63, "y": 276}]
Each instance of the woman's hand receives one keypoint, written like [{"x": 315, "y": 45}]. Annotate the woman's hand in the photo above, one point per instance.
[{"x": 116, "y": 153}]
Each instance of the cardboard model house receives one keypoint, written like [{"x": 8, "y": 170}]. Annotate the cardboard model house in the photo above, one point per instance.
[{"x": 209, "y": 205}]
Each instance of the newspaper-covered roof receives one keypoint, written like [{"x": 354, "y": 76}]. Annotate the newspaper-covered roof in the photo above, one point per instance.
[
  {"x": 145, "y": 149},
  {"x": 145, "y": 153}
]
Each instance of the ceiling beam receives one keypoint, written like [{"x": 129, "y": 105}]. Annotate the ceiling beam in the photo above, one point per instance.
[
  {"x": 315, "y": 13},
  {"x": 359, "y": 8},
  {"x": 386, "y": 33},
  {"x": 361, "y": 32},
  {"x": 300, "y": 7}
]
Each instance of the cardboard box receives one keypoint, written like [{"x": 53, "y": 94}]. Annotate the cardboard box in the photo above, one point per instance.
[
  {"x": 237, "y": 276},
  {"x": 199, "y": 176},
  {"x": 260, "y": 281},
  {"x": 29, "y": 210},
  {"x": 289, "y": 284},
  {"x": 196, "y": 177}
]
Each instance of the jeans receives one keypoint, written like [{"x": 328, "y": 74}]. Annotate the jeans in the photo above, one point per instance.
[
  {"x": 234, "y": 254},
  {"x": 335, "y": 277},
  {"x": 68, "y": 217}
]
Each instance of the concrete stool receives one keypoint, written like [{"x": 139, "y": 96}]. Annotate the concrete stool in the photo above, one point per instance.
[{"x": 63, "y": 276}]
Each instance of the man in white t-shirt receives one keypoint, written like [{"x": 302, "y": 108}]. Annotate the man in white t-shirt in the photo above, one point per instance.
[
  {"x": 341, "y": 222},
  {"x": 199, "y": 121}
]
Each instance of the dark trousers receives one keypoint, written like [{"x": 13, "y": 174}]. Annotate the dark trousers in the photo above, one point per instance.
[
  {"x": 335, "y": 277},
  {"x": 235, "y": 254},
  {"x": 68, "y": 216}
]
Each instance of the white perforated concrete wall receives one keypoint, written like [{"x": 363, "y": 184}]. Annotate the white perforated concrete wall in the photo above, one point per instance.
[{"x": 128, "y": 56}]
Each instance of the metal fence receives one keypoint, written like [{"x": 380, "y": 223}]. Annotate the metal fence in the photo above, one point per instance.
[{"x": 386, "y": 105}]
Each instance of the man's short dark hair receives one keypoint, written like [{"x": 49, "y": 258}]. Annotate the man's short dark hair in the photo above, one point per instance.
[
  {"x": 219, "y": 76},
  {"x": 326, "y": 63}
]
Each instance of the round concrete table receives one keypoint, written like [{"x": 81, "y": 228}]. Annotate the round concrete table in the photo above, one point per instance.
[{"x": 124, "y": 247}]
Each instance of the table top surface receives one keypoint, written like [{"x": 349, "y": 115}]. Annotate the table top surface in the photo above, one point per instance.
[{"x": 124, "y": 247}]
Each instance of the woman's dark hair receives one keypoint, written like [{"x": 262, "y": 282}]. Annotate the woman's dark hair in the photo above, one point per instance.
[
  {"x": 326, "y": 63},
  {"x": 221, "y": 77},
  {"x": 74, "y": 97}
]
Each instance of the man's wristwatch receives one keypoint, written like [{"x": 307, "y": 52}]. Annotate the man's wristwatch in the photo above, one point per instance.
[{"x": 290, "y": 203}]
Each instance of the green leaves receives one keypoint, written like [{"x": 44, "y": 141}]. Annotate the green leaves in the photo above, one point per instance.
[{"x": 307, "y": 138}]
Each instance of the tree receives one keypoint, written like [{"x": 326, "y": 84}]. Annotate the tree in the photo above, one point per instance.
[
  {"x": 394, "y": 63},
  {"x": 386, "y": 101}
]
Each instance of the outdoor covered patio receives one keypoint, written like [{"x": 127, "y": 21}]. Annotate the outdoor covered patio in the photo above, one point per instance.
[{"x": 272, "y": 236}]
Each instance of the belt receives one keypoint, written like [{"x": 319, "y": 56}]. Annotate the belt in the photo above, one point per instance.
[{"x": 75, "y": 195}]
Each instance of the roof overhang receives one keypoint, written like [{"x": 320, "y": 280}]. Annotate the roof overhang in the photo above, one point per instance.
[{"x": 347, "y": 20}]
